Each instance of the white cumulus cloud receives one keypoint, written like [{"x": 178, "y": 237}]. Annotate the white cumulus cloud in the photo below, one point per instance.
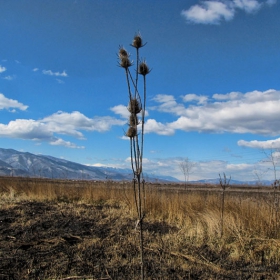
[
  {"x": 25, "y": 129},
  {"x": 120, "y": 110},
  {"x": 247, "y": 5},
  {"x": 229, "y": 96},
  {"x": 68, "y": 144},
  {"x": 214, "y": 11},
  {"x": 209, "y": 12},
  {"x": 194, "y": 97},
  {"x": 152, "y": 126},
  {"x": 253, "y": 112},
  {"x": 72, "y": 123},
  {"x": 60, "y": 123},
  {"x": 2, "y": 69},
  {"x": 168, "y": 104},
  {"x": 268, "y": 144},
  {"x": 57, "y": 74},
  {"x": 6, "y": 103}
]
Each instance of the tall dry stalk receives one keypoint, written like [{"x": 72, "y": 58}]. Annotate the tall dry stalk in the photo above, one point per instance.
[
  {"x": 186, "y": 167},
  {"x": 224, "y": 183},
  {"x": 276, "y": 206},
  {"x": 135, "y": 132}
]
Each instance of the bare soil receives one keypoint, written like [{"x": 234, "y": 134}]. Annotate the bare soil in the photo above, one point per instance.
[{"x": 68, "y": 240}]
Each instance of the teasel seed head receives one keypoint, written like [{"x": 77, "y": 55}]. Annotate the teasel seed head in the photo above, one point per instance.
[
  {"x": 137, "y": 41},
  {"x": 123, "y": 52},
  {"x": 133, "y": 120},
  {"x": 143, "y": 68},
  {"x": 125, "y": 62},
  {"x": 131, "y": 132},
  {"x": 134, "y": 107}
]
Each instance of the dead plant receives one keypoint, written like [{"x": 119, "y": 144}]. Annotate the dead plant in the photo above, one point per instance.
[
  {"x": 224, "y": 183},
  {"x": 135, "y": 132}
]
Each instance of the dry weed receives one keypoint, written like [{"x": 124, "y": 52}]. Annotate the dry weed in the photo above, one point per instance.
[{"x": 55, "y": 229}]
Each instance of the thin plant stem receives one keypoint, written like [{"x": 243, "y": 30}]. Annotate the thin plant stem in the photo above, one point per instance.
[
  {"x": 224, "y": 184},
  {"x": 128, "y": 83},
  {"x": 222, "y": 212},
  {"x": 136, "y": 79},
  {"x": 135, "y": 197},
  {"x": 141, "y": 229},
  {"x": 131, "y": 155},
  {"x": 143, "y": 122},
  {"x": 137, "y": 95},
  {"x": 135, "y": 156},
  {"x": 138, "y": 157}
]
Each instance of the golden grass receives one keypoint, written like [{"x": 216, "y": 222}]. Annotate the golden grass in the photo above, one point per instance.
[
  {"x": 247, "y": 214},
  {"x": 251, "y": 213},
  {"x": 180, "y": 224}
]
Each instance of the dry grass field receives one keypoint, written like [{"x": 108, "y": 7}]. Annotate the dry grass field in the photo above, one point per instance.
[{"x": 86, "y": 230}]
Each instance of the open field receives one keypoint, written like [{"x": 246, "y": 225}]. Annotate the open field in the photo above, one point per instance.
[{"x": 51, "y": 229}]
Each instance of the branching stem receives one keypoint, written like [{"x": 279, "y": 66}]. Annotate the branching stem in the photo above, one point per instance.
[{"x": 137, "y": 105}]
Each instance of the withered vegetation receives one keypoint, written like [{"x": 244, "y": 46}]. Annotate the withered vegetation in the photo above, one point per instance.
[{"x": 51, "y": 229}]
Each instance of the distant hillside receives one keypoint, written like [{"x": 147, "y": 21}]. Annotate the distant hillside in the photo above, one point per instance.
[
  {"x": 235, "y": 182},
  {"x": 15, "y": 163}
]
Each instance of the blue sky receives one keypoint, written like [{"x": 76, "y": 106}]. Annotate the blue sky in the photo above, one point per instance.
[{"x": 213, "y": 94}]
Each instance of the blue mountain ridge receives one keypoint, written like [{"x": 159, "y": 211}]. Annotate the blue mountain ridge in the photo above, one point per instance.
[{"x": 16, "y": 163}]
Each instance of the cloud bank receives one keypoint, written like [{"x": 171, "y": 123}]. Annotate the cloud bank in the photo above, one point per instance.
[
  {"x": 48, "y": 128},
  {"x": 253, "y": 112},
  {"x": 209, "y": 169},
  {"x": 268, "y": 144},
  {"x": 215, "y": 11}
]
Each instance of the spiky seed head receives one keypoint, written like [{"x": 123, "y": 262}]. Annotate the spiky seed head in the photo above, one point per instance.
[
  {"x": 131, "y": 132},
  {"x": 143, "y": 68},
  {"x": 137, "y": 41},
  {"x": 134, "y": 106},
  {"x": 133, "y": 120},
  {"x": 125, "y": 62},
  {"x": 123, "y": 53}
]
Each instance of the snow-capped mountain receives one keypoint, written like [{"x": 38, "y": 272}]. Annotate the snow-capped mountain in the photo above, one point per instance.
[{"x": 15, "y": 163}]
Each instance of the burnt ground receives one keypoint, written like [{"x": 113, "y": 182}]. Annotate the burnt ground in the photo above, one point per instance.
[{"x": 63, "y": 240}]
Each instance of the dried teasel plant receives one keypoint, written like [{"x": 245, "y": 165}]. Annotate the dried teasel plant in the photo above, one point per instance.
[
  {"x": 136, "y": 107},
  {"x": 224, "y": 183},
  {"x": 133, "y": 120}
]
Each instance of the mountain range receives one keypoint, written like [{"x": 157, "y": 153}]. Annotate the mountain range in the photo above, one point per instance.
[{"x": 16, "y": 163}]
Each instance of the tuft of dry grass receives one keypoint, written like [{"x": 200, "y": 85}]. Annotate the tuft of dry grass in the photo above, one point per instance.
[{"x": 53, "y": 229}]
